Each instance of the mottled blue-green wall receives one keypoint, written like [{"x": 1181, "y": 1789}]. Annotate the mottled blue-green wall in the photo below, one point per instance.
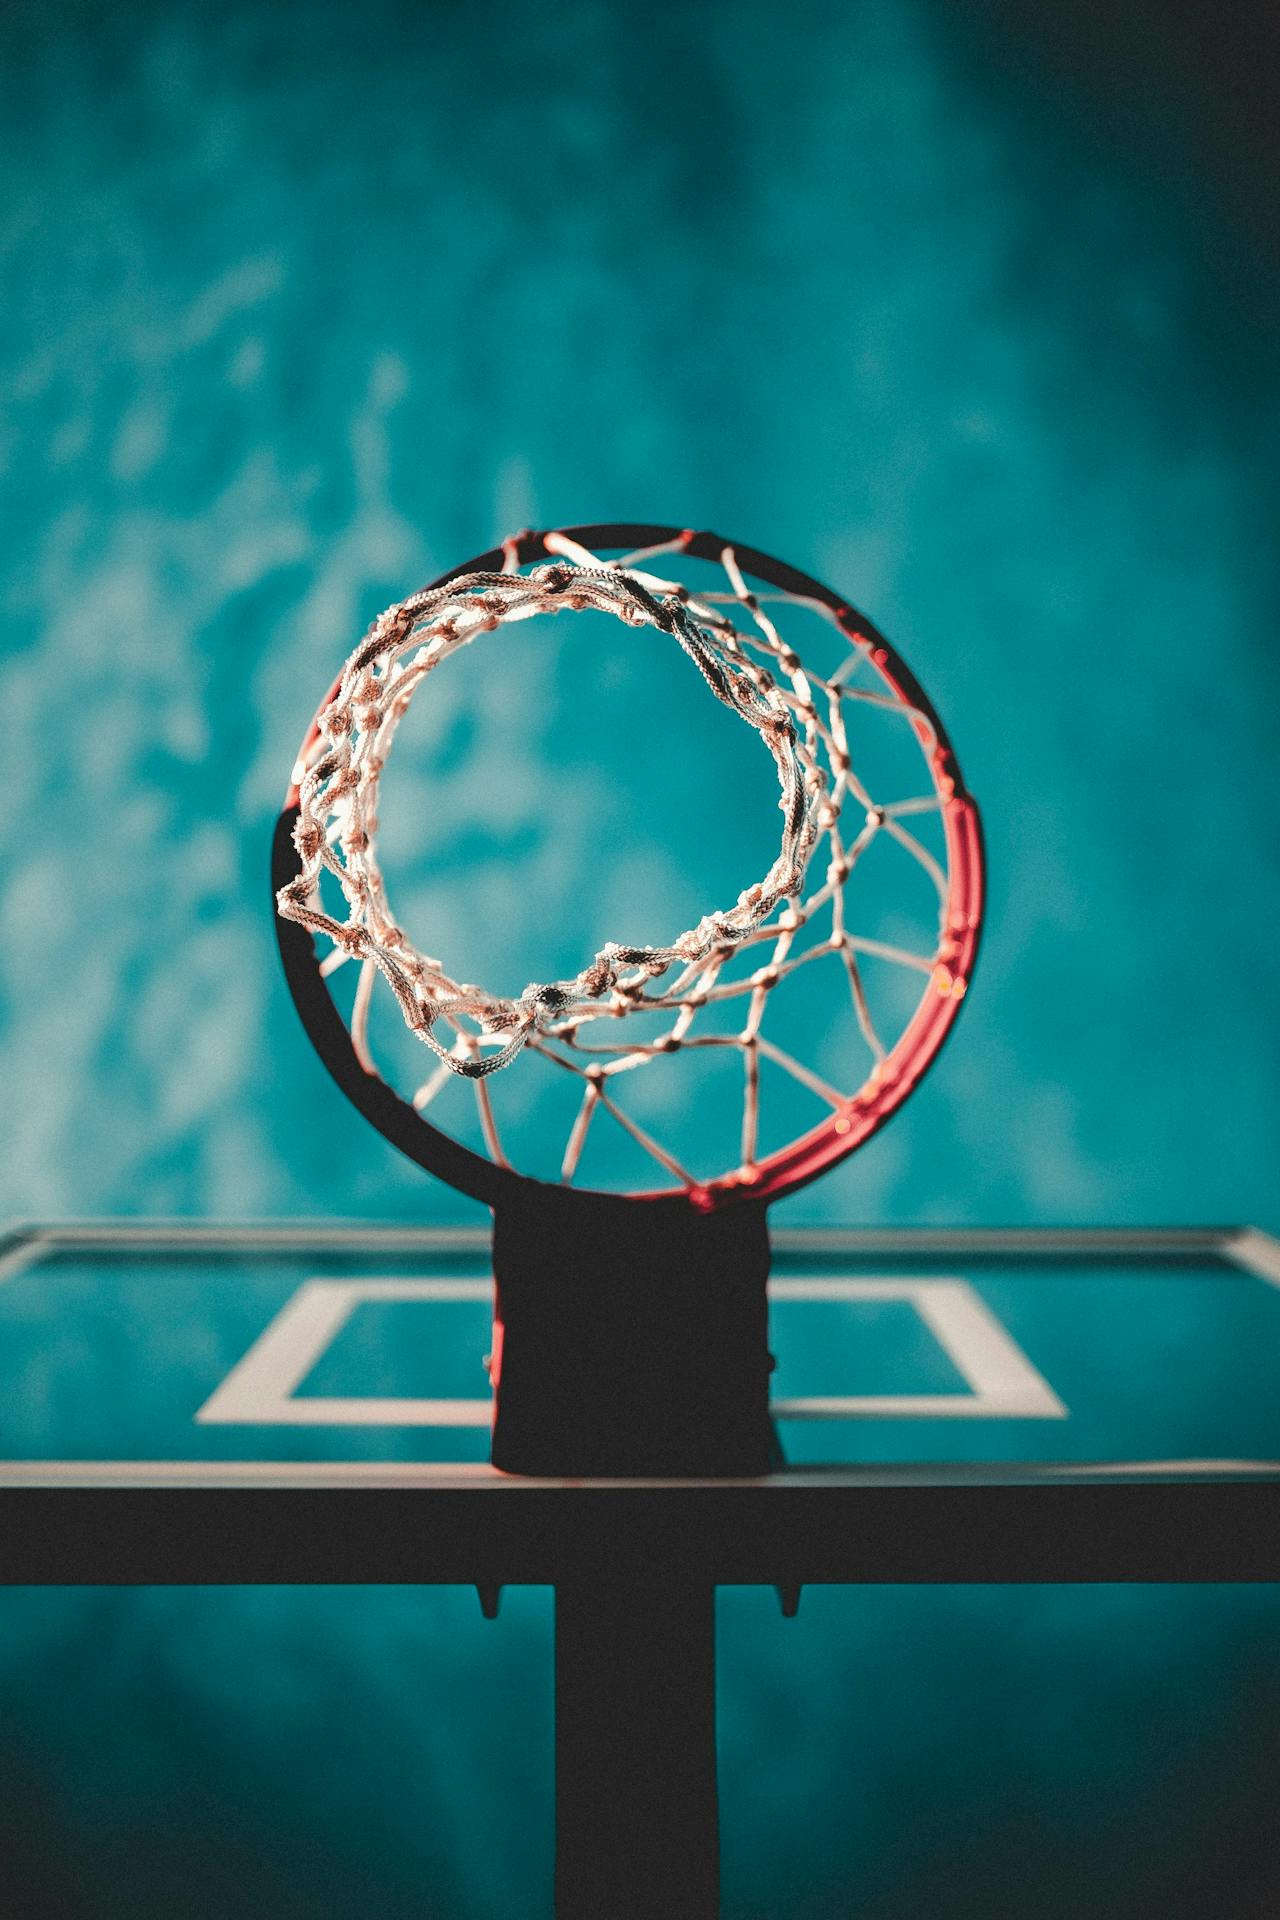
[
  {"x": 302, "y": 303},
  {"x": 971, "y": 311}
]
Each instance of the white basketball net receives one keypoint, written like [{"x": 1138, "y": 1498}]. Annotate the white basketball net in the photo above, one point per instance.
[{"x": 747, "y": 665}]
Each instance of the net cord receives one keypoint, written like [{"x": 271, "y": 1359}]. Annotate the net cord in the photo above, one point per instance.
[{"x": 732, "y": 638}]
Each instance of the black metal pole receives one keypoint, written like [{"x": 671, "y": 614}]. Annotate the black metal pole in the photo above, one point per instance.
[{"x": 636, "y": 1812}]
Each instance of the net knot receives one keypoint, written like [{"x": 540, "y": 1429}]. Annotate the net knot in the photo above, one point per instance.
[
  {"x": 309, "y": 841},
  {"x": 599, "y": 978}
]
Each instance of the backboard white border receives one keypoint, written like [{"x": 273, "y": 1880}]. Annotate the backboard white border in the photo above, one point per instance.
[
  {"x": 262, "y": 1389},
  {"x": 1002, "y": 1383}
]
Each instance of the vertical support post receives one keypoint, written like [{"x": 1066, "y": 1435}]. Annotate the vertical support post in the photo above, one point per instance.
[{"x": 637, "y": 1833}]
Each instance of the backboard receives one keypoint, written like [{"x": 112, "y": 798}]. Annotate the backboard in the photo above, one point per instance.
[{"x": 309, "y": 1401}]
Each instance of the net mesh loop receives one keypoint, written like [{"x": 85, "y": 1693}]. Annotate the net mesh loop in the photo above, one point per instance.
[{"x": 731, "y": 636}]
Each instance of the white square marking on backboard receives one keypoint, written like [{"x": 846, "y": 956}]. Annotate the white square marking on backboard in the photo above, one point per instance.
[
  {"x": 262, "y": 1388},
  {"x": 1002, "y": 1383}
]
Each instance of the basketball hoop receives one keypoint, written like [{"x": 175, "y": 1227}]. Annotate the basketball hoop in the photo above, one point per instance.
[{"x": 734, "y": 621}]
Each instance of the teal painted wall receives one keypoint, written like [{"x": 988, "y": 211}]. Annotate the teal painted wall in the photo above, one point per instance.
[{"x": 304, "y": 303}]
